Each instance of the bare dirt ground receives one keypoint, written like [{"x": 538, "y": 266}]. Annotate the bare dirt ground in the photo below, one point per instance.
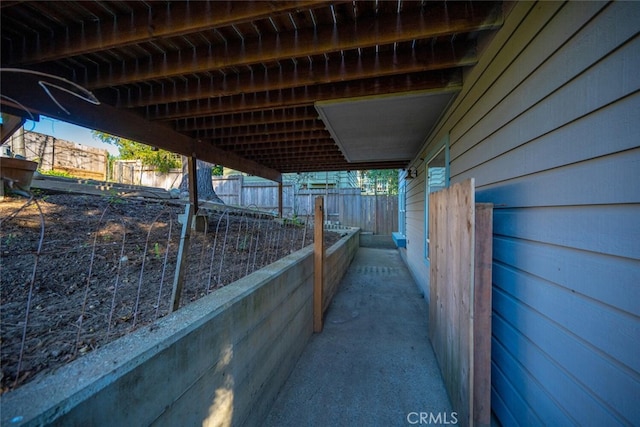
[{"x": 79, "y": 271}]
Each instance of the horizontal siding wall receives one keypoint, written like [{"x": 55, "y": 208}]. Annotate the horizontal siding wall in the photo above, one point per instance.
[
  {"x": 414, "y": 254},
  {"x": 548, "y": 124}
]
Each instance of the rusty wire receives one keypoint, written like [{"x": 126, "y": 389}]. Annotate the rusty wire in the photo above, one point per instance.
[
  {"x": 144, "y": 259},
  {"x": 32, "y": 280}
]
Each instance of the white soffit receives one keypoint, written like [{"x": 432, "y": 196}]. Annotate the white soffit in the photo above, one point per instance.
[{"x": 379, "y": 128}]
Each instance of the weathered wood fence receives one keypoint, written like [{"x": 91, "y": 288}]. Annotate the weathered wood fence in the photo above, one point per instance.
[
  {"x": 63, "y": 156},
  {"x": 135, "y": 173},
  {"x": 346, "y": 206}
]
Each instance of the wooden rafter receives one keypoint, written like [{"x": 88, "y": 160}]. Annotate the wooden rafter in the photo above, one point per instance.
[
  {"x": 237, "y": 82},
  {"x": 306, "y": 97},
  {"x": 178, "y": 19},
  {"x": 284, "y": 115},
  {"x": 281, "y": 145},
  {"x": 440, "y": 57},
  {"x": 272, "y": 137},
  {"x": 370, "y": 32},
  {"x": 320, "y": 166},
  {"x": 260, "y": 130},
  {"x": 67, "y": 106}
]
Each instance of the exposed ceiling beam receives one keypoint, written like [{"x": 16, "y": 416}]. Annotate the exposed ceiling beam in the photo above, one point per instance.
[
  {"x": 456, "y": 17},
  {"x": 287, "y": 161},
  {"x": 286, "y": 157},
  {"x": 319, "y": 166},
  {"x": 10, "y": 124},
  {"x": 440, "y": 57},
  {"x": 303, "y": 147},
  {"x": 280, "y": 145},
  {"x": 175, "y": 19},
  {"x": 276, "y": 137},
  {"x": 305, "y": 97},
  {"x": 261, "y": 130},
  {"x": 284, "y": 115},
  {"x": 77, "y": 107}
]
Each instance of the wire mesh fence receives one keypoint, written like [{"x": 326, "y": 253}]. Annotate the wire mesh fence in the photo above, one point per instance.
[{"x": 77, "y": 272}]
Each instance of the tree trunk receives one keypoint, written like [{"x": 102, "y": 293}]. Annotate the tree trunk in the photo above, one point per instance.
[{"x": 204, "y": 180}]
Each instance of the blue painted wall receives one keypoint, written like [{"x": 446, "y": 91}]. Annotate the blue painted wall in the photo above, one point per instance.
[{"x": 548, "y": 124}]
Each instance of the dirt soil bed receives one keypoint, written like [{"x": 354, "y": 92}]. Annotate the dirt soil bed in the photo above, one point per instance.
[{"x": 79, "y": 271}]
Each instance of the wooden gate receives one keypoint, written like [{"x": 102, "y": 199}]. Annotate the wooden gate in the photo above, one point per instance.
[{"x": 460, "y": 239}]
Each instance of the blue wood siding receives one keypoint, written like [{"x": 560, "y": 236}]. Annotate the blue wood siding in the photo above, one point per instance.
[{"x": 548, "y": 124}]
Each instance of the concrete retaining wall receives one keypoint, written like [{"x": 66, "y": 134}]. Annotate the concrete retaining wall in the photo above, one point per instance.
[
  {"x": 337, "y": 261},
  {"x": 218, "y": 361}
]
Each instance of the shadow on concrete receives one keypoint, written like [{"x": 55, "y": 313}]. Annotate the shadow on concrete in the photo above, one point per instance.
[
  {"x": 378, "y": 241},
  {"x": 373, "y": 363}
]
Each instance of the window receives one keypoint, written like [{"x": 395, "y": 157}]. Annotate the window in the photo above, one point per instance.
[
  {"x": 437, "y": 178},
  {"x": 402, "y": 207}
]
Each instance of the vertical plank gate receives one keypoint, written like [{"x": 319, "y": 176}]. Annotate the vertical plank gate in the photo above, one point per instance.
[{"x": 460, "y": 233}]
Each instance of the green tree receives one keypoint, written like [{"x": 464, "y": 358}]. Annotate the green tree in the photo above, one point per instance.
[
  {"x": 389, "y": 176},
  {"x": 132, "y": 150}
]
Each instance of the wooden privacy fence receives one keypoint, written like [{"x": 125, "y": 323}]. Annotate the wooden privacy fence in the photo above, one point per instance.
[
  {"x": 135, "y": 173},
  {"x": 56, "y": 154},
  {"x": 346, "y": 206}
]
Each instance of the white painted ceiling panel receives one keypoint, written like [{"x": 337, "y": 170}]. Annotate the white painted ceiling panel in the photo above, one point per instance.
[{"x": 383, "y": 127}]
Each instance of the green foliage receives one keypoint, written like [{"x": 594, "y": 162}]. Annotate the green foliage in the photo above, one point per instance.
[
  {"x": 217, "y": 170},
  {"x": 132, "y": 150},
  {"x": 54, "y": 172},
  {"x": 390, "y": 176}
]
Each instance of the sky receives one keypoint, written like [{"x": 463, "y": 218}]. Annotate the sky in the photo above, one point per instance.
[{"x": 68, "y": 132}]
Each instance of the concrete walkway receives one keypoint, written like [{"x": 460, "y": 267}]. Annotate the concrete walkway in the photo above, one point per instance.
[{"x": 373, "y": 364}]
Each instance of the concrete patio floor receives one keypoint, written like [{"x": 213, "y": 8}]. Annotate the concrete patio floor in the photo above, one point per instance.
[{"x": 373, "y": 363}]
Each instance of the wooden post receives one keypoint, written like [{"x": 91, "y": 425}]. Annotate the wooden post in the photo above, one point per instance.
[
  {"x": 280, "y": 200},
  {"x": 318, "y": 264},
  {"x": 193, "y": 183},
  {"x": 183, "y": 252}
]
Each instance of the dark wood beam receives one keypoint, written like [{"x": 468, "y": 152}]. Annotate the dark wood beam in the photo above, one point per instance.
[
  {"x": 75, "y": 106},
  {"x": 284, "y": 115},
  {"x": 306, "y": 97},
  {"x": 176, "y": 19},
  {"x": 280, "y": 145},
  {"x": 261, "y": 130},
  {"x": 439, "y": 57},
  {"x": 309, "y": 158},
  {"x": 319, "y": 166},
  {"x": 454, "y": 18},
  {"x": 10, "y": 124},
  {"x": 284, "y": 154},
  {"x": 279, "y": 137}
]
